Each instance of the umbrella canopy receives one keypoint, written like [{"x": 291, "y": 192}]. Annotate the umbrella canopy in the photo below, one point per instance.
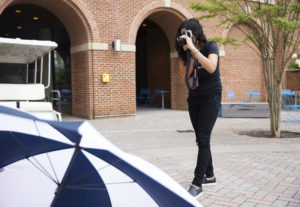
[{"x": 44, "y": 163}]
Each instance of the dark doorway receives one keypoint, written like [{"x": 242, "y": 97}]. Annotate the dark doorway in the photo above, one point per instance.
[
  {"x": 152, "y": 64},
  {"x": 27, "y": 21}
]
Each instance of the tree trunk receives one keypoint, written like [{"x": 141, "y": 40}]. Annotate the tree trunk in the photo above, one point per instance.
[
  {"x": 275, "y": 107},
  {"x": 273, "y": 86}
]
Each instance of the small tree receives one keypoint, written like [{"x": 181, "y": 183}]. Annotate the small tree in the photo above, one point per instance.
[{"x": 273, "y": 28}]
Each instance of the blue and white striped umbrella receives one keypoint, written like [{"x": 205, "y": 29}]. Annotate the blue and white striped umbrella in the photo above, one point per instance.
[{"x": 44, "y": 163}]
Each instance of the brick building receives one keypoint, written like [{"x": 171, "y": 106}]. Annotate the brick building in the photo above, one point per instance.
[{"x": 147, "y": 57}]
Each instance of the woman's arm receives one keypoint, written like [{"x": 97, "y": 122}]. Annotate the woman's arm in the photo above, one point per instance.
[{"x": 209, "y": 63}]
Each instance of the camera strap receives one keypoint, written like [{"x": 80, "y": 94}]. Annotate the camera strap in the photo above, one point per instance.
[
  {"x": 188, "y": 63},
  {"x": 191, "y": 82}
]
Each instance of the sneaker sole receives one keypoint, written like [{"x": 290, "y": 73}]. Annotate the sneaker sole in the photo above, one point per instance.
[
  {"x": 208, "y": 184},
  {"x": 199, "y": 195}
]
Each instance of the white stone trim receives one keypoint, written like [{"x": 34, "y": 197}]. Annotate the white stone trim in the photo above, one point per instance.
[
  {"x": 128, "y": 48},
  {"x": 273, "y": 2},
  {"x": 248, "y": 9},
  {"x": 173, "y": 55},
  {"x": 222, "y": 53},
  {"x": 167, "y": 3},
  {"x": 100, "y": 46},
  {"x": 89, "y": 46},
  {"x": 114, "y": 115}
]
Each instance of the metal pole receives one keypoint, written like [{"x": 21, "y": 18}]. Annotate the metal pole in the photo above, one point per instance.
[
  {"x": 35, "y": 71},
  {"x": 41, "y": 71},
  {"x": 27, "y": 66},
  {"x": 162, "y": 100},
  {"x": 49, "y": 70}
]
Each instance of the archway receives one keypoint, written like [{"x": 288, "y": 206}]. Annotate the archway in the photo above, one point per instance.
[
  {"x": 153, "y": 64},
  {"x": 73, "y": 15},
  {"x": 27, "y": 21},
  {"x": 156, "y": 58},
  {"x": 81, "y": 30}
]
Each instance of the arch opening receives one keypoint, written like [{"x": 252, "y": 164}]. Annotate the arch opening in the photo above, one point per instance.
[
  {"x": 27, "y": 21},
  {"x": 154, "y": 46},
  {"x": 152, "y": 63}
]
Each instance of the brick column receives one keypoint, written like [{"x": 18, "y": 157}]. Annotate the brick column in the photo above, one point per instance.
[
  {"x": 118, "y": 96},
  {"x": 179, "y": 91},
  {"x": 82, "y": 88}
]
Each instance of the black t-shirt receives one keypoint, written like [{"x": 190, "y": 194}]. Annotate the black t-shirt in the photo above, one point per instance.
[{"x": 209, "y": 83}]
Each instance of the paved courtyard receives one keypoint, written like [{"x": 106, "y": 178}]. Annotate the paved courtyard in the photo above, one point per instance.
[{"x": 250, "y": 171}]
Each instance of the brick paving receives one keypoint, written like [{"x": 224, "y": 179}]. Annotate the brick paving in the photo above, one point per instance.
[{"x": 250, "y": 171}]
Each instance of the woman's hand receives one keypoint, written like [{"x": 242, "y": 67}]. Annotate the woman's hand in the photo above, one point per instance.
[{"x": 189, "y": 43}]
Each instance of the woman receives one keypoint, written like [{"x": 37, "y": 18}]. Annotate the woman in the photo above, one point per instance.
[{"x": 205, "y": 88}]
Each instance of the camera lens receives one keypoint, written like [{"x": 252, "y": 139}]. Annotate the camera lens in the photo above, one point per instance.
[{"x": 181, "y": 41}]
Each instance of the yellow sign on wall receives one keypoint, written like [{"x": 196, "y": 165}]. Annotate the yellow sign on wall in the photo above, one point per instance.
[{"x": 105, "y": 78}]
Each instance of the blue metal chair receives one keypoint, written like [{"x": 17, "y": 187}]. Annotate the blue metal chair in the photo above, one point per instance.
[
  {"x": 287, "y": 107},
  {"x": 144, "y": 98},
  {"x": 287, "y": 101},
  {"x": 230, "y": 96},
  {"x": 220, "y": 111},
  {"x": 284, "y": 91},
  {"x": 252, "y": 96},
  {"x": 156, "y": 96},
  {"x": 285, "y": 95},
  {"x": 66, "y": 97}
]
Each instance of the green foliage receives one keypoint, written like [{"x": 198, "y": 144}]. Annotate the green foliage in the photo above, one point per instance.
[
  {"x": 266, "y": 22},
  {"x": 224, "y": 41},
  {"x": 293, "y": 66},
  {"x": 285, "y": 24},
  {"x": 59, "y": 75},
  {"x": 295, "y": 8},
  {"x": 235, "y": 12}
]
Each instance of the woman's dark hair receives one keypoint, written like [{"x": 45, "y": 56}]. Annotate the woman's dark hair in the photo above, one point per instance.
[{"x": 196, "y": 28}]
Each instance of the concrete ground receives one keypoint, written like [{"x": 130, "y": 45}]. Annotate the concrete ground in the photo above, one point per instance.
[{"x": 250, "y": 171}]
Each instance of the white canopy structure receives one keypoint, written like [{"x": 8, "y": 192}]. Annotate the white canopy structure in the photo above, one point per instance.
[
  {"x": 23, "y": 51},
  {"x": 28, "y": 97},
  {"x": 18, "y": 51}
]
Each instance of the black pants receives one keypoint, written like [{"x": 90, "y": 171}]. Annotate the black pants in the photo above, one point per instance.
[{"x": 203, "y": 114}]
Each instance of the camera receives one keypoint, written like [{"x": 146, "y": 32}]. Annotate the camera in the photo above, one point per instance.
[{"x": 181, "y": 41}]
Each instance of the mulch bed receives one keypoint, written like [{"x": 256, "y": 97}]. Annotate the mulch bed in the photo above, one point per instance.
[{"x": 267, "y": 134}]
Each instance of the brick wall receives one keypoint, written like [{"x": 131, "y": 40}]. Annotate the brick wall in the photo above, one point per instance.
[
  {"x": 118, "y": 95},
  {"x": 293, "y": 80},
  {"x": 100, "y": 21},
  {"x": 82, "y": 84},
  {"x": 241, "y": 69},
  {"x": 179, "y": 90}
]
